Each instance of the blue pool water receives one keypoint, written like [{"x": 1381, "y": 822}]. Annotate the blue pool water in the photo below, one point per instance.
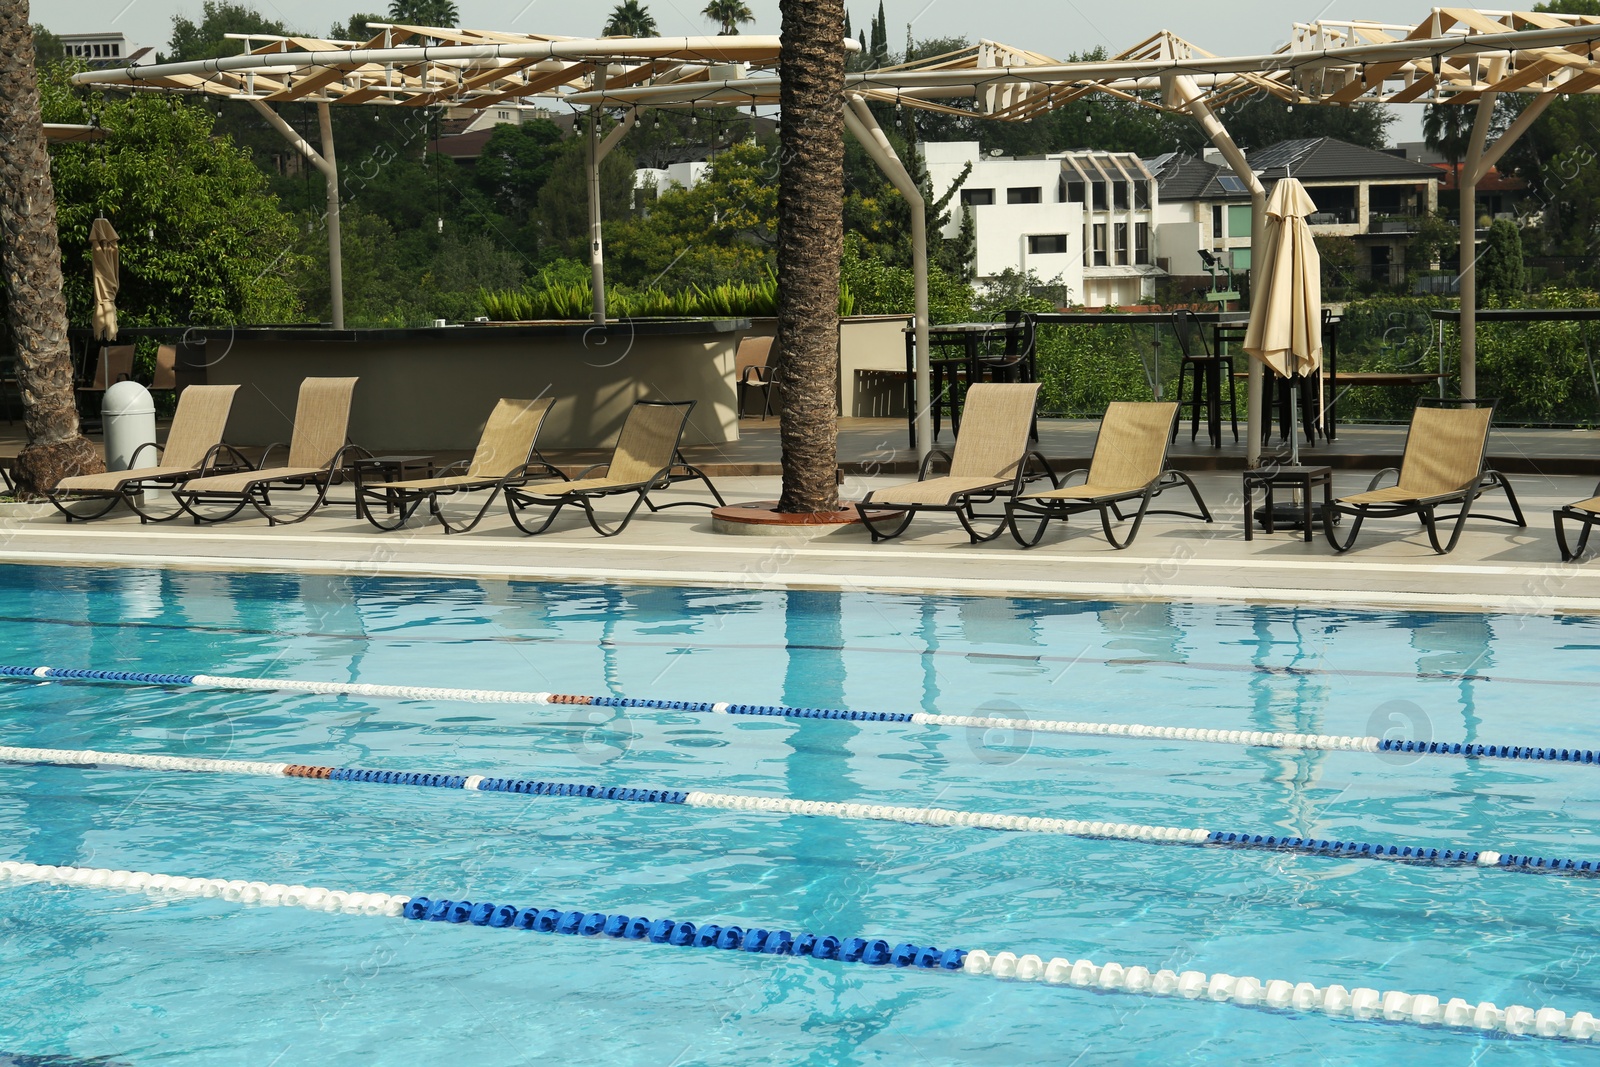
[{"x": 94, "y": 973}]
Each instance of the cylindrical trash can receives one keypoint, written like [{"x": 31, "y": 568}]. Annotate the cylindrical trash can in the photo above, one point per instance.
[{"x": 129, "y": 417}]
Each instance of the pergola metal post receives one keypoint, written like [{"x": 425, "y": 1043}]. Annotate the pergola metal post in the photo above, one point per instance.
[
  {"x": 335, "y": 250},
  {"x": 598, "y": 151},
  {"x": 863, "y": 125},
  {"x": 1183, "y": 91},
  {"x": 1473, "y": 170},
  {"x": 326, "y": 162}
]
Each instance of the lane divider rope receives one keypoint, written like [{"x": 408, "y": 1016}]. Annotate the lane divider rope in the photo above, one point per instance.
[
  {"x": 1361, "y": 1003},
  {"x": 1252, "y": 738},
  {"x": 928, "y": 816}
]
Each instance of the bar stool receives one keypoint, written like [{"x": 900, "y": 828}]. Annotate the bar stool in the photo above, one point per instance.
[{"x": 1207, "y": 372}]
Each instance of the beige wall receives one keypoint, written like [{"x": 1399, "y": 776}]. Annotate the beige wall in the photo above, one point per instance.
[
  {"x": 872, "y": 342},
  {"x": 434, "y": 392}
]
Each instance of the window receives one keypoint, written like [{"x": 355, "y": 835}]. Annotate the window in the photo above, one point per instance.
[
  {"x": 1030, "y": 195},
  {"x": 96, "y": 52},
  {"x": 1141, "y": 243},
  {"x": 1119, "y": 192},
  {"x": 1121, "y": 247},
  {"x": 116, "y": 50},
  {"x": 977, "y": 197},
  {"x": 1217, "y": 232},
  {"x": 1141, "y": 196},
  {"x": 1099, "y": 196},
  {"x": 1047, "y": 244},
  {"x": 1239, "y": 220},
  {"x": 1075, "y": 192},
  {"x": 1232, "y": 184},
  {"x": 1099, "y": 245}
]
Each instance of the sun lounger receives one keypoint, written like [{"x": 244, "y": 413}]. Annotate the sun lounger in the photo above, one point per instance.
[
  {"x": 1129, "y": 464},
  {"x": 1585, "y": 512},
  {"x": 505, "y": 456},
  {"x": 194, "y": 449},
  {"x": 991, "y": 456},
  {"x": 317, "y": 453},
  {"x": 1443, "y": 466},
  {"x": 645, "y": 459}
]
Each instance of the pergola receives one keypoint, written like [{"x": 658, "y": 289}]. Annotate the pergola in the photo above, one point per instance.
[
  {"x": 427, "y": 66},
  {"x": 1458, "y": 56}
]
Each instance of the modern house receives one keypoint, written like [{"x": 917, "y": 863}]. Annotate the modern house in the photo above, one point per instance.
[
  {"x": 102, "y": 49},
  {"x": 1083, "y": 219},
  {"x": 1373, "y": 198}
]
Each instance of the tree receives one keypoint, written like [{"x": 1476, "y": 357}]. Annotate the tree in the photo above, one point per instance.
[
  {"x": 724, "y": 229},
  {"x": 1501, "y": 270},
  {"x": 729, "y": 14},
  {"x": 631, "y": 19},
  {"x": 810, "y": 246},
  {"x": 440, "y": 13},
  {"x": 354, "y": 28},
  {"x": 207, "y": 38},
  {"x": 563, "y": 207},
  {"x": 1447, "y": 129},
  {"x": 47, "y": 47},
  {"x": 30, "y": 257},
  {"x": 203, "y": 242}
]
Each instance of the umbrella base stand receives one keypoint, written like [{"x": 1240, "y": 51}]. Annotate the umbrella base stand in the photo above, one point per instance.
[{"x": 1290, "y": 517}]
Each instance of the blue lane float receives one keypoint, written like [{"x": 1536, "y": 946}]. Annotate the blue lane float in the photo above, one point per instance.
[
  {"x": 874, "y": 952},
  {"x": 923, "y": 816},
  {"x": 1133, "y": 731}
]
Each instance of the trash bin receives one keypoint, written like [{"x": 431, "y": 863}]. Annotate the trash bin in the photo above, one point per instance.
[{"x": 129, "y": 418}]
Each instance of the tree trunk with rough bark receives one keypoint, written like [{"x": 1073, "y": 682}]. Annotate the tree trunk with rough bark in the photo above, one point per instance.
[
  {"x": 30, "y": 256},
  {"x": 810, "y": 246}
]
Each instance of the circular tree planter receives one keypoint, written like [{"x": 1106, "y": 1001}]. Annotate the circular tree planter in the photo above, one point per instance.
[{"x": 763, "y": 519}]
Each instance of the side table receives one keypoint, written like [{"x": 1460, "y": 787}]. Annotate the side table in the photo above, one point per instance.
[
  {"x": 1270, "y": 478},
  {"x": 390, "y": 469}
]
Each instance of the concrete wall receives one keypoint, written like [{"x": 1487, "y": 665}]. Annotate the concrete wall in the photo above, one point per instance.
[{"x": 432, "y": 390}]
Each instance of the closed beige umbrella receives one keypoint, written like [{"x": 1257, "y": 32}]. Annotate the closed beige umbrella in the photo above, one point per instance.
[
  {"x": 1285, "y": 330},
  {"x": 107, "y": 278}
]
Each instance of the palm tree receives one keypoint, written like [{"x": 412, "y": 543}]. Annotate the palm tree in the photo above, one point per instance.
[
  {"x": 30, "y": 256},
  {"x": 729, "y": 14},
  {"x": 1447, "y": 129},
  {"x": 810, "y": 246},
  {"x": 441, "y": 13},
  {"x": 631, "y": 19}
]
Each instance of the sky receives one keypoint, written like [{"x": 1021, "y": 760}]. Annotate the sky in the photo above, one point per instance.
[{"x": 1053, "y": 27}]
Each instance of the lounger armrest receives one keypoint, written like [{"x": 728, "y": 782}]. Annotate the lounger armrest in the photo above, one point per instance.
[
  {"x": 581, "y": 475},
  {"x": 341, "y": 458},
  {"x": 267, "y": 455},
  {"x": 927, "y": 463},
  {"x": 460, "y": 464},
  {"x": 1379, "y": 477},
  {"x": 133, "y": 461},
  {"x": 525, "y": 472},
  {"x": 211, "y": 465},
  {"x": 1067, "y": 477},
  {"x": 1049, "y": 471},
  {"x": 759, "y": 372}
]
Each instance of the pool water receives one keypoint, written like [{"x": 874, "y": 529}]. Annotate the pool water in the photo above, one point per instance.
[{"x": 95, "y": 973}]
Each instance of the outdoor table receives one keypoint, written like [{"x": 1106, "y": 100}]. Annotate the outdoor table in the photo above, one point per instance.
[
  {"x": 392, "y": 469},
  {"x": 951, "y": 375},
  {"x": 1269, "y": 478}
]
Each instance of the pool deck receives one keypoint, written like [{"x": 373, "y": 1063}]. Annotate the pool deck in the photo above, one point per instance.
[{"x": 1496, "y": 567}]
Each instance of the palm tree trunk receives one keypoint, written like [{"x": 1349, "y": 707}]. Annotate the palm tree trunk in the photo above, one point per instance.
[
  {"x": 30, "y": 256},
  {"x": 810, "y": 246}
]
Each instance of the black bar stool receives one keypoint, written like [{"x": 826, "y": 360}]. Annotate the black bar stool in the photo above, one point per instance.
[{"x": 1207, "y": 371}]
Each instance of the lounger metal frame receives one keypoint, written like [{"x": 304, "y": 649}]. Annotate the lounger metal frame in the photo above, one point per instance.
[
  {"x": 1586, "y": 520},
  {"x": 677, "y": 470},
  {"x": 1425, "y": 508}
]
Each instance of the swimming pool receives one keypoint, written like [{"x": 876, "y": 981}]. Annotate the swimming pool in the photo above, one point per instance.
[{"x": 94, "y": 972}]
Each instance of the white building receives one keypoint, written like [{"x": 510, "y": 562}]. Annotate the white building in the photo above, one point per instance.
[
  {"x": 679, "y": 175},
  {"x": 1085, "y": 218},
  {"x": 101, "y": 49}
]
